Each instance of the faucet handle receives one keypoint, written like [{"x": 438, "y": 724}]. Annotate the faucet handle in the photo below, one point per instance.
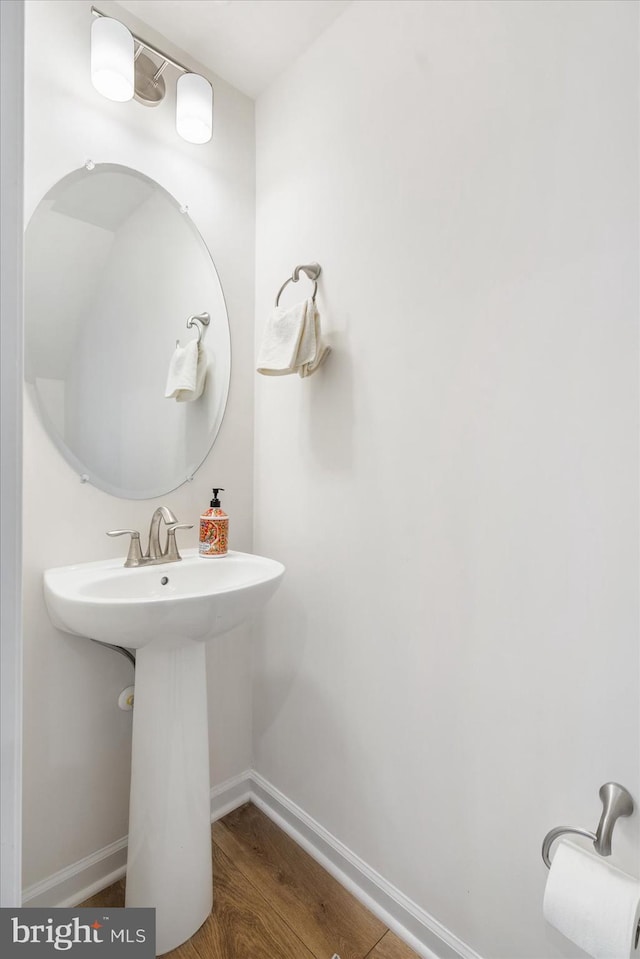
[
  {"x": 171, "y": 551},
  {"x": 134, "y": 556}
]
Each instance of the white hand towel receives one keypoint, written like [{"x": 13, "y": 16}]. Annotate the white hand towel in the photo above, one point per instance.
[
  {"x": 187, "y": 373},
  {"x": 292, "y": 341}
]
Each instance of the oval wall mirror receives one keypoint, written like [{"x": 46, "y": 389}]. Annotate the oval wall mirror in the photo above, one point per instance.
[{"x": 114, "y": 268}]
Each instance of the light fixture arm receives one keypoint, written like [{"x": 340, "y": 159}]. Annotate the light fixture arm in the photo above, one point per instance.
[{"x": 163, "y": 66}]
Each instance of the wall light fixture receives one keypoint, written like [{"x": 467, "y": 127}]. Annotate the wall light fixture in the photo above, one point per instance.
[
  {"x": 112, "y": 59},
  {"x": 120, "y": 70}
]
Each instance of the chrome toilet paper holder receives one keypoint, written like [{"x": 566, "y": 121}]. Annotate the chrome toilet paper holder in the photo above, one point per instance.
[{"x": 616, "y": 802}]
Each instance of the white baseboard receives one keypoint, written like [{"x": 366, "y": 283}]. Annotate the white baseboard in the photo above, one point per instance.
[
  {"x": 230, "y": 794},
  {"x": 421, "y": 931},
  {"x": 81, "y": 879},
  {"x": 85, "y": 878}
]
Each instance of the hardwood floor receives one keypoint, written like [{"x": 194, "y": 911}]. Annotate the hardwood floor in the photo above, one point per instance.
[
  {"x": 271, "y": 900},
  {"x": 390, "y": 947}
]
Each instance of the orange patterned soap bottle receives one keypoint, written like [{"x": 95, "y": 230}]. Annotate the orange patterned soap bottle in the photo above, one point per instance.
[{"x": 214, "y": 529}]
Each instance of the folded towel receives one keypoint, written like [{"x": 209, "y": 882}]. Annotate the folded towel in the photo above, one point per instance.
[
  {"x": 187, "y": 372},
  {"x": 292, "y": 341}
]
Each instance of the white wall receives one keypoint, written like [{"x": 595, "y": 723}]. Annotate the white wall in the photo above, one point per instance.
[
  {"x": 77, "y": 742},
  {"x": 11, "y": 163},
  {"x": 451, "y": 666}
]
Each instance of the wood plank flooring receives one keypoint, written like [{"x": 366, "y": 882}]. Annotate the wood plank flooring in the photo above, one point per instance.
[
  {"x": 271, "y": 900},
  {"x": 390, "y": 947}
]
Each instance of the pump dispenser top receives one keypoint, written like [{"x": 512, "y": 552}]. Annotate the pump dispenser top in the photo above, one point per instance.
[{"x": 215, "y": 501}]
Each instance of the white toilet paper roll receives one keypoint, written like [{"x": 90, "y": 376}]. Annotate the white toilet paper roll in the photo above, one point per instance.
[{"x": 592, "y": 903}]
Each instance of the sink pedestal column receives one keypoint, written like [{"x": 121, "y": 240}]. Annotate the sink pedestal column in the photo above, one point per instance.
[{"x": 169, "y": 856}]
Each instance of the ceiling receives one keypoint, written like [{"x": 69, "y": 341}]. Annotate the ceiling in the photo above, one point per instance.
[{"x": 246, "y": 42}]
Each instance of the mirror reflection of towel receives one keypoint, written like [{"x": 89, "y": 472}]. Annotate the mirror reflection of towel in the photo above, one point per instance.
[
  {"x": 292, "y": 341},
  {"x": 187, "y": 373}
]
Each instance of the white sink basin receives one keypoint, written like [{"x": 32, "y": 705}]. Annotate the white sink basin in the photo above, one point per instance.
[
  {"x": 171, "y": 604},
  {"x": 166, "y": 612}
]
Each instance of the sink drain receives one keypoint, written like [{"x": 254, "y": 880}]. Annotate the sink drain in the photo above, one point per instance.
[{"x": 164, "y": 580}]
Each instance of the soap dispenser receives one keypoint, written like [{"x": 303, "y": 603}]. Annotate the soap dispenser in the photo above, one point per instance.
[{"x": 214, "y": 529}]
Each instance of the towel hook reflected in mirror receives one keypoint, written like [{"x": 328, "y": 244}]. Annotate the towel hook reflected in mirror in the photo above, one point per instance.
[{"x": 195, "y": 320}]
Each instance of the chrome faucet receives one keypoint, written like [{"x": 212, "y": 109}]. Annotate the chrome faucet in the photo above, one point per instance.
[
  {"x": 155, "y": 555},
  {"x": 154, "y": 552}
]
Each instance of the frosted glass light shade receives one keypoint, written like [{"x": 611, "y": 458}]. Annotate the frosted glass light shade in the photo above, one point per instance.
[
  {"x": 112, "y": 67},
  {"x": 194, "y": 108}
]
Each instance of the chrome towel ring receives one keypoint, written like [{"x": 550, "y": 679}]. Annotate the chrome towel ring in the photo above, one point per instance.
[
  {"x": 312, "y": 270},
  {"x": 616, "y": 802}
]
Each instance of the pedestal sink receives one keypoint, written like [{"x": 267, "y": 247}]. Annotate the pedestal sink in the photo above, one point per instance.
[{"x": 166, "y": 612}]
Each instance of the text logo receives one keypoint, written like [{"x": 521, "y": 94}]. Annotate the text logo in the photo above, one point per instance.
[{"x": 31, "y": 933}]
